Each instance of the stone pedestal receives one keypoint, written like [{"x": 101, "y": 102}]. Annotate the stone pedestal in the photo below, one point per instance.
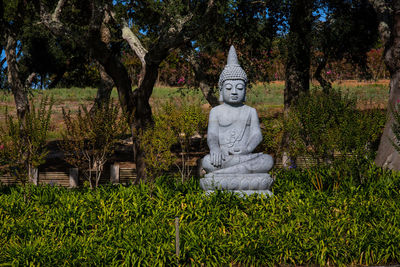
[{"x": 244, "y": 184}]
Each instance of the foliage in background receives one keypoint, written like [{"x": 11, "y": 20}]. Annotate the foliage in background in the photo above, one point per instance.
[
  {"x": 156, "y": 142},
  {"x": 328, "y": 126},
  {"x": 117, "y": 225},
  {"x": 23, "y": 142},
  {"x": 175, "y": 123},
  {"x": 272, "y": 132},
  {"x": 90, "y": 137},
  {"x": 188, "y": 121}
]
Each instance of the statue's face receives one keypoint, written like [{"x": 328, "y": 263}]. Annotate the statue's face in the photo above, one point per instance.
[{"x": 233, "y": 91}]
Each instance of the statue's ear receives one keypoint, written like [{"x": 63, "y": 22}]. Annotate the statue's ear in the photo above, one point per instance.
[{"x": 221, "y": 99}]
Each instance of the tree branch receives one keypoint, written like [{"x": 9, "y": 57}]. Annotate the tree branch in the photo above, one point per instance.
[
  {"x": 205, "y": 88},
  {"x": 56, "y": 14},
  {"x": 134, "y": 42},
  {"x": 383, "y": 11},
  {"x": 52, "y": 20},
  {"x": 29, "y": 80},
  {"x": 131, "y": 39}
]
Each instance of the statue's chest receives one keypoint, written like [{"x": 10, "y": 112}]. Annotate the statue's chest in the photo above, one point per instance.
[{"x": 228, "y": 118}]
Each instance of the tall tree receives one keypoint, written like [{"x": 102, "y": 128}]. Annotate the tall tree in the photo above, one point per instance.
[
  {"x": 300, "y": 20},
  {"x": 13, "y": 17},
  {"x": 389, "y": 29},
  {"x": 298, "y": 52},
  {"x": 168, "y": 24}
]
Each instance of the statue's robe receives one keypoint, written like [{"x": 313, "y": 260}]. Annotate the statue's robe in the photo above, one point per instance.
[{"x": 234, "y": 133}]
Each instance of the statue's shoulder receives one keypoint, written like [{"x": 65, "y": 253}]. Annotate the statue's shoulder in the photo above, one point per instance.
[
  {"x": 249, "y": 109},
  {"x": 216, "y": 110}
]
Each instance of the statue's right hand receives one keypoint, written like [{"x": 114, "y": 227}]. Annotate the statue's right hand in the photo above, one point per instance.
[{"x": 216, "y": 157}]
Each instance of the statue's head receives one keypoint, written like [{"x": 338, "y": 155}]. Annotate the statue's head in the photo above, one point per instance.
[{"x": 232, "y": 81}]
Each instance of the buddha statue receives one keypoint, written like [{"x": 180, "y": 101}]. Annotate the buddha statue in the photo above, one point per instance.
[{"x": 233, "y": 133}]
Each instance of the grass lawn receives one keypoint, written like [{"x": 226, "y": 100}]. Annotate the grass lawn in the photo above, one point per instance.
[{"x": 113, "y": 225}]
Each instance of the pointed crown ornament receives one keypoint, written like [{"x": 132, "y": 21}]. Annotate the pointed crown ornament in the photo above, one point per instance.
[{"x": 232, "y": 70}]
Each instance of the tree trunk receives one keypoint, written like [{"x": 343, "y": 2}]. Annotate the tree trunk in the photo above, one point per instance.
[
  {"x": 17, "y": 87},
  {"x": 116, "y": 70},
  {"x": 201, "y": 76},
  {"x": 326, "y": 86},
  {"x": 104, "y": 90},
  {"x": 387, "y": 156},
  {"x": 208, "y": 93},
  {"x": 143, "y": 114},
  {"x": 297, "y": 70},
  {"x": 298, "y": 58}
]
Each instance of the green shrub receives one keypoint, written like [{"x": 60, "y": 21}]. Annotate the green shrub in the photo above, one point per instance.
[
  {"x": 90, "y": 137},
  {"x": 272, "y": 132},
  {"x": 186, "y": 122},
  {"x": 156, "y": 142},
  {"x": 174, "y": 123},
  {"x": 23, "y": 141},
  {"x": 329, "y": 128}
]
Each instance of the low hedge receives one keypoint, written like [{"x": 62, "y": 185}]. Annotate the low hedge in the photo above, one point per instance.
[{"x": 114, "y": 225}]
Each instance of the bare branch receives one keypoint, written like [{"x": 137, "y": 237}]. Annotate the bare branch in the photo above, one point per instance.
[
  {"x": 29, "y": 80},
  {"x": 132, "y": 40},
  {"x": 56, "y": 14},
  {"x": 52, "y": 20},
  {"x": 210, "y": 6}
]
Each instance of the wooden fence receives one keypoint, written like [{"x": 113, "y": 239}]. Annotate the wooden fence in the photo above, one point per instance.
[
  {"x": 72, "y": 178},
  {"x": 116, "y": 174}
]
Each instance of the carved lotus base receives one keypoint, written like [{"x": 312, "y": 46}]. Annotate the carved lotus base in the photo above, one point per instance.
[
  {"x": 243, "y": 193},
  {"x": 245, "y": 184}
]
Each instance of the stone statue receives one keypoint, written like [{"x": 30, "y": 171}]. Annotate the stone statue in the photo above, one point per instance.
[{"x": 233, "y": 133}]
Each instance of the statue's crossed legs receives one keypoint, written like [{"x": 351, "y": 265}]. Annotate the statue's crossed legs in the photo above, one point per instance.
[{"x": 251, "y": 163}]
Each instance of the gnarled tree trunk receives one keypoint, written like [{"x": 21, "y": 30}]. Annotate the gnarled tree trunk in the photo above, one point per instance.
[
  {"x": 143, "y": 114},
  {"x": 387, "y": 156},
  {"x": 17, "y": 87},
  {"x": 105, "y": 88},
  {"x": 326, "y": 86}
]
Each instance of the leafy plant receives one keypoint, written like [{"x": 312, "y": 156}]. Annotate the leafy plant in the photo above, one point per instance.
[
  {"x": 157, "y": 142},
  {"x": 90, "y": 137},
  {"x": 117, "y": 225},
  {"x": 329, "y": 128},
  {"x": 272, "y": 132},
  {"x": 186, "y": 122},
  {"x": 174, "y": 123},
  {"x": 23, "y": 141}
]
